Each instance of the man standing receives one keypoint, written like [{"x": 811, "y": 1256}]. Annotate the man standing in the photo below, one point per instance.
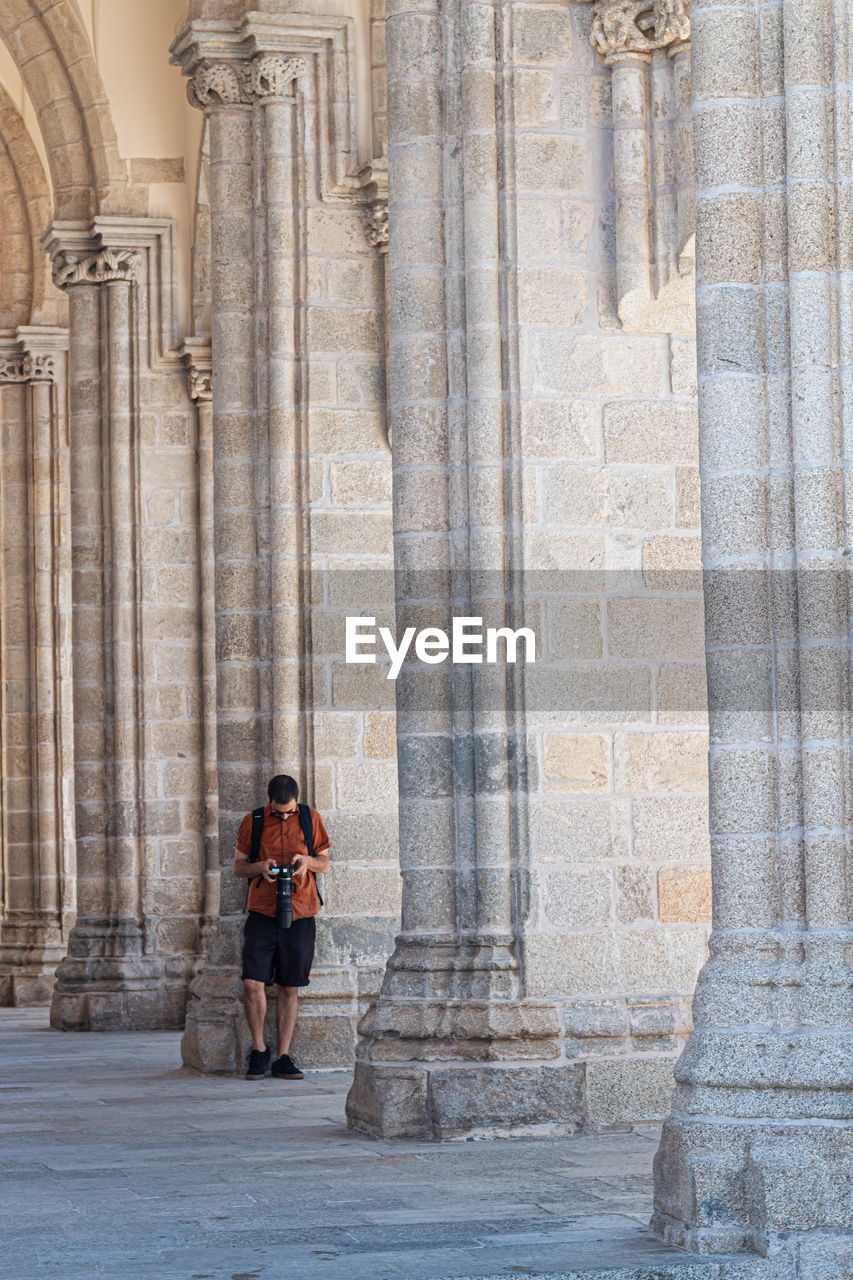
[{"x": 269, "y": 953}]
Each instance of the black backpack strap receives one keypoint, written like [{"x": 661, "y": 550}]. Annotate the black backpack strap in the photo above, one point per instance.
[
  {"x": 307, "y": 828},
  {"x": 308, "y": 833},
  {"x": 255, "y": 849},
  {"x": 257, "y": 832}
]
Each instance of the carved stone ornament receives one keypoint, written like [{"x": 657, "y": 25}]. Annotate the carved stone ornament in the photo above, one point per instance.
[
  {"x": 21, "y": 367},
  {"x": 625, "y": 27},
  {"x": 70, "y": 267},
  {"x": 672, "y": 21},
  {"x": 376, "y": 224},
  {"x": 373, "y": 180},
  {"x": 269, "y": 75},
  {"x": 200, "y": 384},
  {"x": 214, "y": 84}
]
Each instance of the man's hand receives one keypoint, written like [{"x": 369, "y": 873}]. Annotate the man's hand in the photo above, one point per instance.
[
  {"x": 300, "y": 864},
  {"x": 248, "y": 870}
]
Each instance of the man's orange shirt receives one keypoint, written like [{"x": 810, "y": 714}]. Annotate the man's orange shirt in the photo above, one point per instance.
[{"x": 281, "y": 839}]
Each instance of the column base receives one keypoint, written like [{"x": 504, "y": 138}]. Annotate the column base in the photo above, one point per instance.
[
  {"x": 29, "y": 953},
  {"x": 723, "y": 1186},
  {"x": 450, "y": 1050},
  {"x": 216, "y": 1038},
  {"x": 458, "y": 1100},
  {"x": 107, "y": 983}
]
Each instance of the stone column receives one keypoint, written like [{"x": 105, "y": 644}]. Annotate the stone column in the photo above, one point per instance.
[
  {"x": 631, "y": 177},
  {"x": 37, "y": 798},
  {"x": 196, "y": 356},
  {"x": 109, "y": 978},
  {"x": 257, "y": 491},
  {"x": 453, "y": 1045},
  {"x": 757, "y": 1151}
]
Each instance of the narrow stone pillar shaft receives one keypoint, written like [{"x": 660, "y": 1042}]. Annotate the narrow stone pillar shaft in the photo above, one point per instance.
[
  {"x": 663, "y": 169},
  {"x": 757, "y": 1151},
  {"x": 278, "y": 229},
  {"x": 45, "y": 456},
  {"x": 38, "y": 874},
  {"x": 208, "y": 660},
  {"x": 452, "y": 1045},
  {"x": 121, "y": 649},
  {"x": 631, "y": 181},
  {"x": 241, "y": 511},
  {"x": 686, "y": 216},
  {"x": 196, "y": 355}
]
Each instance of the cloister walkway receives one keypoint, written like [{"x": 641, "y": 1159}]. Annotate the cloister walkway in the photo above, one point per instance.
[{"x": 118, "y": 1162}]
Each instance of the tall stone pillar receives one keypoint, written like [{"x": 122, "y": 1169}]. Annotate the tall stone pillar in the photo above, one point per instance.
[
  {"x": 759, "y": 1145},
  {"x": 259, "y": 475},
  {"x": 107, "y": 978},
  {"x": 36, "y": 714},
  {"x": 246, "y": 322},
  {"x": 453, "y": 1044},
  {"x": 136, "y": 808}
]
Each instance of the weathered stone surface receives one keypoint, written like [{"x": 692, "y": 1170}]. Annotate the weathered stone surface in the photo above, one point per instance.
[
  {"x": 684, "y": 894},
  {"x": 751, "y": 1152},
  {"x": 578, "y": 762},
  {"x": 505, "y": 1100},
  {"x": 612, "y": 1089}
]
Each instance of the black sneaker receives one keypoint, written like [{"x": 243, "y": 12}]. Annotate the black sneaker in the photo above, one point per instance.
[
  {"x": 286, "y": 1069},
  {"x": 259, "y": 1064}
]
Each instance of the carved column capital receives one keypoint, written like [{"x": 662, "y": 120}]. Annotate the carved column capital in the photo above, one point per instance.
[
  {"x": 195, "y": 354},
  {"x": 376, "y": 224},
  {"x": 373, "y": 179},
  {"x": 271, "y": 75},
  {"x": 40, "y": 367},
  {"x": 215, "y": 84},
  {"x": 24, "y": 366},
  {"x": 266, "y": 77},
  {"x": 621, "y": 28},
  {"x": 71, "y": 266},
  {"x": 33, "y": 355},
  {"x": 201, "y": 385},
  {"x": 672, "y": 24},
  {"x": 637, "y": 28}
]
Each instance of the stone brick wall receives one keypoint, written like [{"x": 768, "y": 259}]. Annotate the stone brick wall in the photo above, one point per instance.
[
  {"x": 351, "y": 765},
  {"x": 620, "y": 880},
  {"x": 173, "y": 902}
]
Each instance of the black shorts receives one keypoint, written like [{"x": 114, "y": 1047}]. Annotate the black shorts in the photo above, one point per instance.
[{"x": 282, "y": 956}]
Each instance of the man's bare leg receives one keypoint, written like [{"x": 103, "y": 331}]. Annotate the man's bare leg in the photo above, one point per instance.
[
  {"x": 255, "y": 1005},
  {"x": 285, "y": 1016}
]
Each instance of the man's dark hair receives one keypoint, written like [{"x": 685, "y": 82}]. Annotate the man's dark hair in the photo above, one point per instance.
[{"x": 283, "y": 788}]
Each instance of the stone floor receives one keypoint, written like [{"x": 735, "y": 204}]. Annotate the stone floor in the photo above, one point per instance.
[{"x": 116, "y": 1162}]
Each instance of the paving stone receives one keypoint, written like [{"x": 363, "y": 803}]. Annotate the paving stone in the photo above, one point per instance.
[{"x": 117, "y": 1163}]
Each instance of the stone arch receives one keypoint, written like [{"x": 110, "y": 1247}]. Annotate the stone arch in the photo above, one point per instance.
[
  {"x": 52, "y": 53},
  {"x": 27, "y": 292}
]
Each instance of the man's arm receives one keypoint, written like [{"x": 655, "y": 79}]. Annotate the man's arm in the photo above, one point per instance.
[
  {"x": 246, "y": 870},
  {"x": 302, "y": 863},
  {"x": 320, "y": 860}
]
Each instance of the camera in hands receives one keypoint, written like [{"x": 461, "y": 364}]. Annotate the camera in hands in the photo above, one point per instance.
[{"x": 283, "y": 896}]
